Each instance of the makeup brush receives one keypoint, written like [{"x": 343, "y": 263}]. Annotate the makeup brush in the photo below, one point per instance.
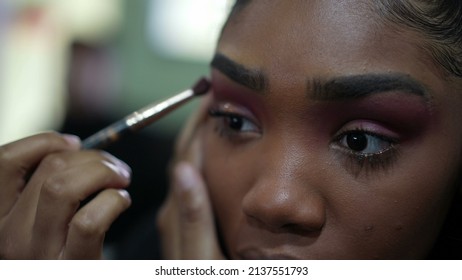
[{"x": 144, "y": 117}]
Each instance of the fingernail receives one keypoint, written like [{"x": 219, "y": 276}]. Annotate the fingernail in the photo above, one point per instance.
[
  {"x": 119, "y": 169},
  {"x": 125, "y": 195},
  {"x": 186, "y": 175},
  {"x": 72, "y": 139},
  {"x": 125, "y": 171},
  {"x": 123, "y": 168}
]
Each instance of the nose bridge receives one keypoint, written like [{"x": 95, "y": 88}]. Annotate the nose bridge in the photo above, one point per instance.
[{"x": 285, "y": 193}]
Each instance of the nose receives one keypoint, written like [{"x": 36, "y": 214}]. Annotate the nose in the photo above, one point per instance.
[{"x": 285, "y": 197}]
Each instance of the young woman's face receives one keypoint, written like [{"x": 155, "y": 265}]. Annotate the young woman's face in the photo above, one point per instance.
[{"x": 330, "y": 135}]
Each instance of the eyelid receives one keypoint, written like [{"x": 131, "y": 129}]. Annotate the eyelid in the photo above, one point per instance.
[
  {"x": 234, "y": 109},
  {"x": 369, "y": 127},
  {"x": 358, "y": 163},
  {"x": 388, "y": 141},
  {"x": 234, "y": 123}
]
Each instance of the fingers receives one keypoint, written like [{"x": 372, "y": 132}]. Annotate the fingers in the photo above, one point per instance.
[
  {"x": 46, "y": 179},
  {"x": 186, "y": 149},
  {"x": 186, "y": 220},
  {"x": 168, "y": 225},
  {"x": 89, "y": 225},
  {"x": 43, "y": 179},
  {"x": 18, "y": 159},
  {"x": 190, "y": 131},
  {"x": 196, "y": 237},
  {"x": 61, "y": 194}
]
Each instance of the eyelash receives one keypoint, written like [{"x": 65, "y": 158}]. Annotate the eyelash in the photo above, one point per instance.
[
  {"x": 357, "y": 162},
  {"x": 234, "y": 134}
]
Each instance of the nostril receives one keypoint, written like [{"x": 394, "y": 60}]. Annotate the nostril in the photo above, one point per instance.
[
  {"x": 293, "y": 228},
  {"x": 302, "y": 230}
]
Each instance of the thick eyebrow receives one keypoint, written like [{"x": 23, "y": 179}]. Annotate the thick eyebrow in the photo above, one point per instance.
[
  {"x": 358, "y": 86},
  {"x": 251, "y": 78}
]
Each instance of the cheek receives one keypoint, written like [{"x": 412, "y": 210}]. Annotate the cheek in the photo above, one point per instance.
[
  {"x": 394, "y": 213},
  {"x": 405, "y": 206}
]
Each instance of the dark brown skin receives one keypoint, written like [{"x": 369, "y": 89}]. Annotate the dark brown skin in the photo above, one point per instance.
[
  {"x": 283, "y": 178},
  {"x": 43, "y": 178},
  {"x": 331, "y": 135}
]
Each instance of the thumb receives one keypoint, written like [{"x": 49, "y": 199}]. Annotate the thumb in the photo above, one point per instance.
[{"x": 197, "y": 227}]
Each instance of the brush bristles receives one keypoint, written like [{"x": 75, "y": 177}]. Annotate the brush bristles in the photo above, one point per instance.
[{"x": 201, "y": 87}]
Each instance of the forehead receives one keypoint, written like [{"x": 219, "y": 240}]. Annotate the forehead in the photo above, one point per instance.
[{"x": 335, "y": 36}]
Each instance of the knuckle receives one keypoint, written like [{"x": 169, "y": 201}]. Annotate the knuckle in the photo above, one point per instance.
[
  {"x": 5, "y": 154},
  {"x": 193, "y": 215},
  {"x": 54, "y": 162},
  {"x": 8, "y": 163},
  {"x": 49, "y": 139},
  {"x": 193, "y": 209},
  {"x": 84, "y": 226},
  {"x": 54, "y": 187}
]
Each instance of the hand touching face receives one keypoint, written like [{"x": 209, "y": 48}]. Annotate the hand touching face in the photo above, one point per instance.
[{"x": 329, "y": 135}]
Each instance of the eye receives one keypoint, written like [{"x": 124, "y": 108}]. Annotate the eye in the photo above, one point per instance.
[
  {"x": 235, "y": 122},
  {"x": 364, "y": 143},
  {"x": 241, "y": 124},
  {"x": 366, "y": 146}
]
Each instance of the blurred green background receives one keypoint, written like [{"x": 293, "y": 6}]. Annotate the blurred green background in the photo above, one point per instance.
[
  {"x": 76, "y": 66},
  {"x": 146, "y": 75}
]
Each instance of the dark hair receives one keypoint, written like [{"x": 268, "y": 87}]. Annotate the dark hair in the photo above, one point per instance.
[
  {"x": 439, "y": 21},
  {"x": 238, "y": 5},
  {"x": 440, "y": 24}
]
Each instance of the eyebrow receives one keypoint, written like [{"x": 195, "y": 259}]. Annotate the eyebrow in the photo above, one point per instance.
[
  {"x": 340, "y": 88},
  {"x": 250, "y": 78},
  {"x": 358, "y": 86}
]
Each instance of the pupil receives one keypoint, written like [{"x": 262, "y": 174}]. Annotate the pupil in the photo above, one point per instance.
[
  {"x": 235, "y": 123},
  {"x": 357, "y": 141}
]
